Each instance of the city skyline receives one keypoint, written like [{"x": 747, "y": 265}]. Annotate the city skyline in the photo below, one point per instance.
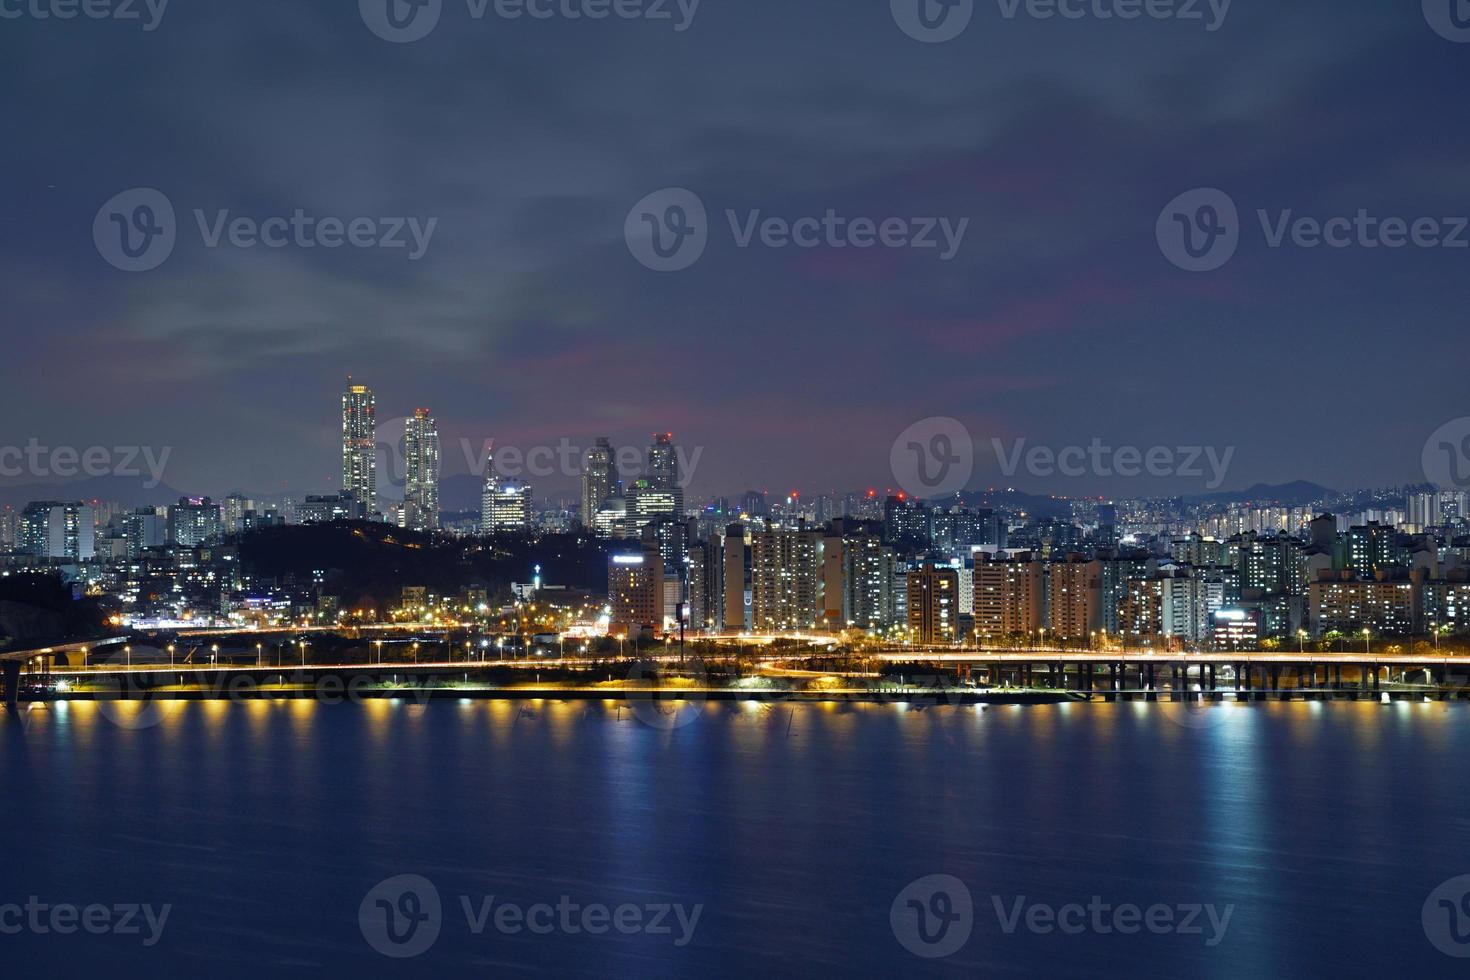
[
  {"x": 735, "y": 487},
  {"x": 397, "y": 459}
]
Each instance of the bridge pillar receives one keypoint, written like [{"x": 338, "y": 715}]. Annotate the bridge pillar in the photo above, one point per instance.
[{"x": 12, "y": 683}]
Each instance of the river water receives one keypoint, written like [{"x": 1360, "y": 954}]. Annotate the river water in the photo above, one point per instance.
[{"x": 594, "y": 839}]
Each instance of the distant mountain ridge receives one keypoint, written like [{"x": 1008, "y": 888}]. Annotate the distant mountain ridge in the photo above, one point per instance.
[{"x": 1294, "y": 494}]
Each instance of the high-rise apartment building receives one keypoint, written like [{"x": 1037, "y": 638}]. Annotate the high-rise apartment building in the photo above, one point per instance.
[
  {"x": 193, "y": 521},
  {"x": 1075, "y": 600},
  {"x": 421, "y": 459},
  {"x": 60, "y": 531},
  {"x": 934, "y": 604},
  {"x": 1009, "y": 599},
  {"x": 359, "y": 450},
  {"x": 599, "y": 479},
  {"x": 143, "y": 528},
  {"x": 785, "y": 579},
  {"x": 868, "y": 569}
]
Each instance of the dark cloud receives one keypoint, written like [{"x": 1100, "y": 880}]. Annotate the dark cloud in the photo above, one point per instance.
[{"x": 528, "y": 319}]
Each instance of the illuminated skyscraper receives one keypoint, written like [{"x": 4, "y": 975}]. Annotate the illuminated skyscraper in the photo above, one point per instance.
[
  {"x": 599, "y": 480},
  {"x": 359, "y": 453},
  {"x": 663, "y": 469},
  {"x": 421, "y": 469}
]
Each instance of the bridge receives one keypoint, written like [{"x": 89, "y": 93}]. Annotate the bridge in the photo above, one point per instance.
[
  {"x": 11, "y": 663},
  {"x": 1106, "y": 674},
  {"x": 1181, "y": 673}
]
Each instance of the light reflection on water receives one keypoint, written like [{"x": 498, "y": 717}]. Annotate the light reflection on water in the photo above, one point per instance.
[{"x": 266, "y": 822}]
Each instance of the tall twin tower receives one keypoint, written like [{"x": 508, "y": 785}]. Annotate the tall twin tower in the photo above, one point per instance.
[{"x": 420, "y": 460}]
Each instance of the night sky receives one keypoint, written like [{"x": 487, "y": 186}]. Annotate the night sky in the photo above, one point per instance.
[{"x": 527, "y": 319}]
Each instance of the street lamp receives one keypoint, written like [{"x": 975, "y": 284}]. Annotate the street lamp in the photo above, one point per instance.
[
  {"x": 1367, "y": 648},
  {"x": 259, "y": 654},
  {"x": 128, "y": 649},
  {"x": 214, "y": 655}
]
